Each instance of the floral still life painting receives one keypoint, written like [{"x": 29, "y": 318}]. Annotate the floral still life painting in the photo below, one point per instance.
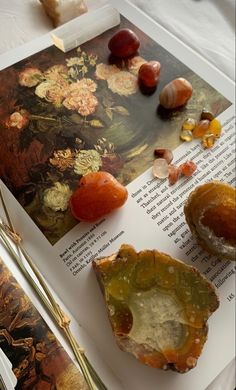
[
  {"x": 38, "y": 359},
  {"x": 65, "y": 115}
]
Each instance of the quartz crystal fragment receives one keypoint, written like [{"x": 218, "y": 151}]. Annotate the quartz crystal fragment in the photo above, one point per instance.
[
  {"x": 158, "y": 306},
  {"x": 89, "y": 25},
  {"x": 61, "y": 11},
  {"x": 160, "y": 168},
  {"x": 210, "y": 212}
]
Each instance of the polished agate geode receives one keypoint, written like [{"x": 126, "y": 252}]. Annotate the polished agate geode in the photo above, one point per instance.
[
  {"x": 210, "y": 212},
  {"x": 158, "y": 306}
]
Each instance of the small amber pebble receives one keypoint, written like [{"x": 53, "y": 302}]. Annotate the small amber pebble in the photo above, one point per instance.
[
  {"x": 201, "y": 128},
  {"x": 98, "y": 194},
  {"x": 189, "y": 124},
  {"x": 208, "y": 141},
  {"x": 205, "y": 114},
  {"x": 215, "y": 128},
  {"x": 186, "y": 135},
  {"x": 164, "y": 153}
]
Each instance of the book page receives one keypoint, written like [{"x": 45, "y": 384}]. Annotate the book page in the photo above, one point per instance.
[{"x": 151, "y": 218}]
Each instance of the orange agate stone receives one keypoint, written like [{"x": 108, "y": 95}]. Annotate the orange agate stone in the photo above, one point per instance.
[
  {"x": 210, "y": 212},
  {"x": 158, "y": 306},
  {"x": 98, "y": 194}
]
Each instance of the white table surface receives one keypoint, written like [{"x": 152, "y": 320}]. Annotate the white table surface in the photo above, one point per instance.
[{"x": 208, "y": 26}]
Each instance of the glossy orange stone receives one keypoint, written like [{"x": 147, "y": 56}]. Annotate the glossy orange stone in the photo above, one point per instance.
[
  {"x": 215, "y": 128},
  {"x": 174, "y": 174},
  {"x": 176, "y": 93},
  {"x": 188, "y": 168},
  {"x": 98, "y": 194},
  {"x": 124, "y": 43},
  {"x": 149, "y": 73},
  {"x": 201, "y": 128}
]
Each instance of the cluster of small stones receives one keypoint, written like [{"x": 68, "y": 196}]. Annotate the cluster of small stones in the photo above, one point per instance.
[
  {"x": 208, "y": 129},
  {"x": 162, "y": 167}
]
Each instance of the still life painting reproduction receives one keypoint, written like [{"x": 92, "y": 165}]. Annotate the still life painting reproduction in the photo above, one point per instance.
[
  {"x": 64, "y": 115},
  {"x": 38, "y": 359}
]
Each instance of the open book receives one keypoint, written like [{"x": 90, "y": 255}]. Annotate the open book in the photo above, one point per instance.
[{"x": 118, "y": 128}]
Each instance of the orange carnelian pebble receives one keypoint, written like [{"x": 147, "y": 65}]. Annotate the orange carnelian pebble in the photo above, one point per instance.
[
  {"x": 201, "y": 129},
  {"x": 188, "y": 168},
  {"x": 174, "y": 174},
  {"x": 215, "y": 128},
  {"x": 98, "y": 194},
  {"x": 149, "y": 73}
]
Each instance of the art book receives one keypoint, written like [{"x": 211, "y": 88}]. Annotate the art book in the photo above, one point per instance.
[
  {"x": 63, "y": 115},
  {"x": 38, "y": 359}
]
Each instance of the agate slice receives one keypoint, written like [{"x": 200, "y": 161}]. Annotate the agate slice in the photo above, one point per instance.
[
  {"x": 158, "y": 306},
  {"x": 210, "y": 212}
]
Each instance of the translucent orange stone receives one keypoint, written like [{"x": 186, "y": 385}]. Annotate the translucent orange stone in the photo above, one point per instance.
[
  {"x": 208, "y": 141},
  {"x": 189, "y": 124},
  {"x": 201, "y": 128},
  {"x": 188, "y": 168},
  {"x": 186, "y": 135},
  {"x": 174, "y": 174},
  {"x": 215, "y": 128},
  {"x": 210, "y": 213},
  {"x": 98, "y": 194}
]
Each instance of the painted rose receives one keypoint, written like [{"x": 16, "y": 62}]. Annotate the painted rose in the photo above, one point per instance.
[
  {"x": 135, "y": 63},
  {"x": 104, "y": 71},
  {"x": 56, "y": 73},
  {"x": 30, "y": 77},
  {"x": 63, "y": 159},
  {"x": 19, "y": 119},
  {"x": 84, "y": 83},
  {"x": 87, "y": 161},
  {"x": 81, "y": 100},
  {"x": 57, "y": 197},
  {"x": 74, "y": 61},
  {"x": 123, "y": 83},
  {"x": 52, "y": 91}
]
